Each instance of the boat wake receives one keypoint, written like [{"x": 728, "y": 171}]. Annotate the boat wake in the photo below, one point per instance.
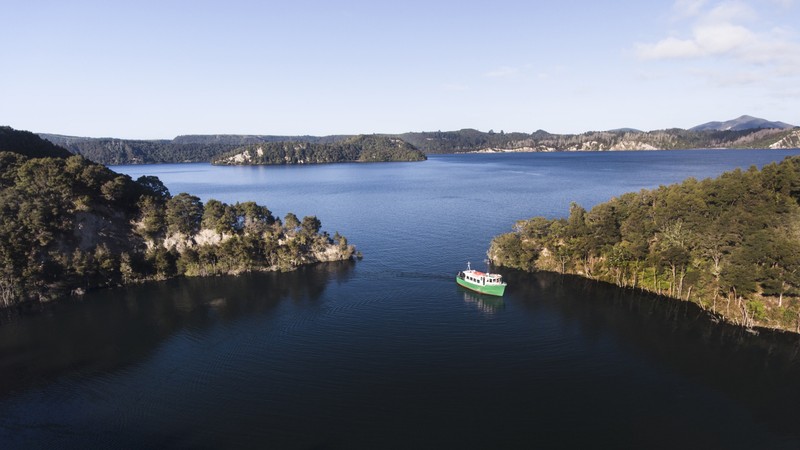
[{"x": 423, "y": 275}]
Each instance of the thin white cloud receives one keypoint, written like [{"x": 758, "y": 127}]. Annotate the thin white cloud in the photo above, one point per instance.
[
  {"x": 689, "y": 8},
  {"x": 729, "y": 11},
  {"x": 545, "y": 73},
  {"x": 725, "y": 79},
  {"x": 669, "y": 48},
  {"x": 645, "y": 75},
  {"x": 721, "y": 30},
  {"x": 455, "y": 87},
  {"x": 792, "y": 92},
  {"x": 729, "y": 45},
  {"x": 723, "y": 38},
  {"x": 502, "y": 72}
]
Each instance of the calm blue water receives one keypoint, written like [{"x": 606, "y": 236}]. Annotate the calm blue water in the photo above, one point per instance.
[{"x": 388, "y": 352}]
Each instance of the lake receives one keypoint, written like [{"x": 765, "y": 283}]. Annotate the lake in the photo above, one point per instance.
[{"x": 388, "y": 352}]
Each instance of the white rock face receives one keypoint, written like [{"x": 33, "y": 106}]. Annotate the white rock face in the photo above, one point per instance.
[
  {"x": 790, "y": 141},
  {"x": 589, "y": 146},
  {"x": 239, "y": 158},
  {"x": 207, "y": 236},
  {"x": 331, "y": 253},
  {"x": 632, "y": 145},
  {"x": 178, "y": 241},
  {"x": 181, "y": 242}
]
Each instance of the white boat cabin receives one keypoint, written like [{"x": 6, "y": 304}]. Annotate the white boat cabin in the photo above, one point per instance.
[{"x": 481, "y": 278}]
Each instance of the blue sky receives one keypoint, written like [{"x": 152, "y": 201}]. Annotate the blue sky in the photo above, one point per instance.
[{"x": 157, "y": 69}]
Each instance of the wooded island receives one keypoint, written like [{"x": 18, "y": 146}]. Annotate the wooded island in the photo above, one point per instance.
[{"x": 363, "y": 148}]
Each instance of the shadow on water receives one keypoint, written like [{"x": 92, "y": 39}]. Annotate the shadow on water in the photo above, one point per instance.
[
  {"x": 110, "y": 329},
  {"x": 760, "y": 370},
  {"x": 487, "y": 304}
]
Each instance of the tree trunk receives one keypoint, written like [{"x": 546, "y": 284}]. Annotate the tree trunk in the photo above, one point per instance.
[
  {"x": 672, "y": 283},
  {"x": 680, "y": 282},
  {"x": 714, "y": 301},
  {"x": 588, "y": 267},
  {"x": 655, "y": 282},
  {"x": 728, "y": 304},
  {"x": 6, "y": 292},
  {"x": 797, "y": 327},
  {"x": 745, "y": 316}
]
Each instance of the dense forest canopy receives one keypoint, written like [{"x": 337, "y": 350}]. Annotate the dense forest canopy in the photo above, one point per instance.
[
  {"x": 372, "y": 148},
  {"x": 730, "y": 244},
  {"x": 67, "y": 225}
]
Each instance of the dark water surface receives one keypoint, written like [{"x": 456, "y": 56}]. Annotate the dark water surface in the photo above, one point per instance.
[{"x": 388, "y": 352}]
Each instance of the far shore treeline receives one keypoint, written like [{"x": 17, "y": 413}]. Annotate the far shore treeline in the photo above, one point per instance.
[
  {"x": 68, "y": 225},
  {"x": 414, "y": 146},
  {"x": 730, "y": 244}
]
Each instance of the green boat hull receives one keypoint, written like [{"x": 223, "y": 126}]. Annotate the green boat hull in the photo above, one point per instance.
[{"x": 496, "y": 290}]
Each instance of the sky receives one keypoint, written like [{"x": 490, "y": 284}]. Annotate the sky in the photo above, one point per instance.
[{"x": 159, "y": 69}]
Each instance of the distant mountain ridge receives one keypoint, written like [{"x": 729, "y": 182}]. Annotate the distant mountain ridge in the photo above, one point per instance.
[
  {"x": 741, "y": 123},
  {"x": 742, "y": 132},
  {"x": 249, "y": 139}
]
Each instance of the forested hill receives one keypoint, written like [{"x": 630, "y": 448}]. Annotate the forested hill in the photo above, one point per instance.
[
  {"x": 731, "y": 244},
  {"x": 67, "y": 225},
  {"x": 541, "y": 141},
  {"x": 368, "y": 148},
  {"x": 29, "y": 144},
  {"x": 111, "y": 151}
]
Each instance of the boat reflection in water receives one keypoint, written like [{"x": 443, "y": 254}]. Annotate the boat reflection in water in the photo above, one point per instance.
[{"x": 487, "y": 304}]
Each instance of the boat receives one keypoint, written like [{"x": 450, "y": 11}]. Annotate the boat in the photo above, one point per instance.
[{"x": 481, "y": 282}]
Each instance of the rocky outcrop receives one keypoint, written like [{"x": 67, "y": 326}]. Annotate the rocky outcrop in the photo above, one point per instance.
[
  {"x": 334, "y": 252},
  {"x": 790, "y": 141},
  {"x": 181, "y": 242},
  {"x": 320, "y": 248},
  {"x": 244, "y": 157},
  {"x": 632, "y": 145},
  {"x": 589, "y": 146}
]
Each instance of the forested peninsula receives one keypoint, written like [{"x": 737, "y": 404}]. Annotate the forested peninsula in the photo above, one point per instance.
[
  {"x": 68, "y": 225},
  {"x": 730, "y": 244},
  {"x": 362, "y": 148}
]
